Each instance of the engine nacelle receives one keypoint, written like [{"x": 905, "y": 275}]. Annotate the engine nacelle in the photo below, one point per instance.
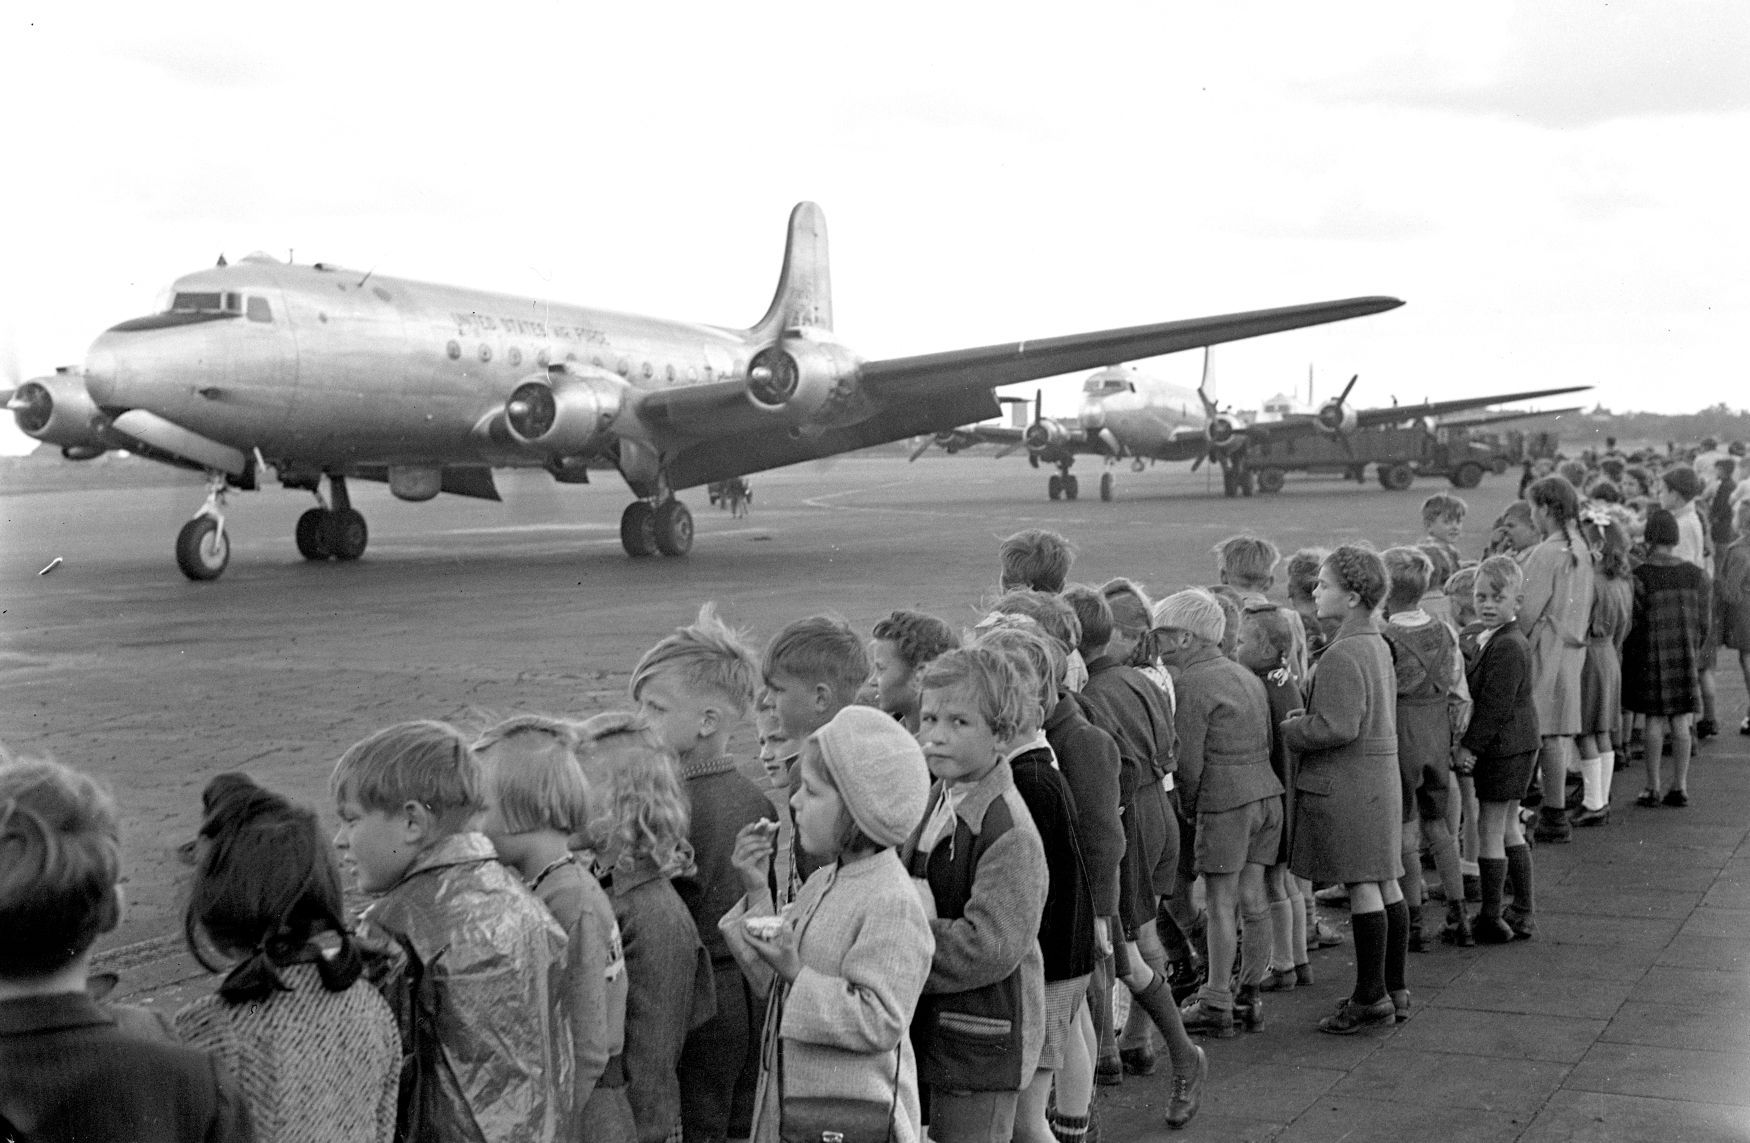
[
  {"x": 1336, "y": 417},
  {"x": 810, "y": 382},
  {"x": 57, "y": 409},
  {"x": 1045, "y": 433},
  {"x": 566, "y": 411},
  {"x": 1224, "y": 433}
]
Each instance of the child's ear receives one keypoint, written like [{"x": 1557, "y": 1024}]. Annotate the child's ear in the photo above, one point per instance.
[
  {"x": 116, "y": 908},
  {"x": 710, "y": 718},
  {"x": 1269, "y": 582},
  {"x": 417, "y": 822},
  {"x": 824, "y": 699}
]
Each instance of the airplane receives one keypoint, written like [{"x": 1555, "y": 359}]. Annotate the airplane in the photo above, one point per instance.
[
  {"x": 1127, "y": 414},
  {"x": 319, "y": 373}
]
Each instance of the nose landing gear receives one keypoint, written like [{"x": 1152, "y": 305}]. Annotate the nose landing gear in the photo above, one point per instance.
[{"x": 203, "y": 550}]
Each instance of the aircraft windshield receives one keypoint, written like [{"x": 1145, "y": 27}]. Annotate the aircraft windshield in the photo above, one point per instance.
[
  {"x": 202, "y": 303},
  {"x": 1105, "y": 385}
]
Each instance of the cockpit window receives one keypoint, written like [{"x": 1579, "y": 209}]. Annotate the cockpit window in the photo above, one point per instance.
[
  {"x": 205, "y": 303},
  {"x": 259, "y": 310}
]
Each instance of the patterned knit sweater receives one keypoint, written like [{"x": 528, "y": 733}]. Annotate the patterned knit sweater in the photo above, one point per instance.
[{"x": 314, "y": 1065}]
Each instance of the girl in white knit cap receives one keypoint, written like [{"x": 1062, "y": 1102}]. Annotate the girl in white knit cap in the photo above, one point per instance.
[{"x": 844, "y": 963}]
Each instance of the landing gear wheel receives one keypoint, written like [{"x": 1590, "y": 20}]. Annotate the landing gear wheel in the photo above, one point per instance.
[
  {"x": 1105, "y": 486},
  {"x": 673, "y": 524},
  {"x": 1469, "y": 475},
  {"x": 1498, "y": 466},
  {"x": 1397, "y": 477},
  {"x": 346, "y": 534},
  {"x": 638, "y": 529},
  {"x": 1070, "y": 488},
  {"x": 1270, "y": 481},
  {"x": 202, "y": 549},
  {"x": 1054, "y": 488},
  {"x": 312, "y": 534}
]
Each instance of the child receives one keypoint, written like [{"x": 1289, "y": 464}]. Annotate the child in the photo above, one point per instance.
[
  {"x": 70, "y": 1071},
  {"x": 1431, "y": 702},
  {"x": 693, "y": 689},
  {"x": 1035, "y": 560},
  {"x": 1499, "y": 747},
  {"x": 1066, "y": 927},
  {"x": 1225, "y": 782},
  {"x": 1303, "y": 580},
  {"x": 313, "y": 1044},
  {"x": 853, "y": 950},
  {"x": 1679, "y": 488},
  {"x": 904, "y": 642},
  {"x": 1247, "y": 564},
  {"x": 537, "y": 802},
  {"x": 1461, "y": 597},
  {"x": 1443, "y": 516},
  {"x": 639, "y": 834},
  {"x": 812, "y": 669},
  {"x": 1601, "y": 674},
  {"x": 1558, "y": 604},
  {"x": 1348, "y": 827},
  {"x": 1734, "y": 596},
  {"x": 1461, "y": 814},
  {"x": 1660, "y": 676},
  {"x": 980, "y": 1025},
  {"x": 1515, "y": 534},
  {"x": 476, "y": 995},
  {"x": 1441, "y": 567},
  {"x": 1273, "y": 647}
]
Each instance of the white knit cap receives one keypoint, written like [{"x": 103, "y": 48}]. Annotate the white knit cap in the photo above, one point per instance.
[
  {"x": 1193, "y": 610},
  {"x": 878, "y": 769}
]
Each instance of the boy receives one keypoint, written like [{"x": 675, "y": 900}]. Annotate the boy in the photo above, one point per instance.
[
  {"x": 1443, "y": 516},
  {"x": 812, "y": 669},
  {"x": 1303, "y": 579},
  {"x": 477, "y": 995},
  {"x": 1248, "y": 565},
  {"x": 980, "y": 1023},
  {"x": 693, "y": 689},
  {"x": 68, "y": 1069},
  {"x": 1499, "y": 747},
  {"x": 1222, "y": 717},
  {"x": 1431, "y": 699},
  {"x": 1035, "y": 560},
  {"x": 1515, "y": 534},
  {"x": 904, "y": 642}
]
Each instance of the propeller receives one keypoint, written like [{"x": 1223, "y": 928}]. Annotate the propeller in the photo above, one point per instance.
[
  {"x": 921, "y": 449},
  {"x": 1336, "y": 418}
]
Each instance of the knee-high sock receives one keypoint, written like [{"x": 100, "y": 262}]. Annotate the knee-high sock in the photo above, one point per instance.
[
  {"x": 1370, "y": 940},
  {"x": 1297, "y": 906},
  {"x": 1281, "y": 934},
  {"x": 1397, "y": 943},
  {"x": 1519, "y": 877},
  {"x": 1256, "y": 932},
  {"x": 1494, "y": 882},
  {"x": 1606, "y": 771},
  {"x": 1445, "y": 848},
  {"x": 1592, "y": 783}
]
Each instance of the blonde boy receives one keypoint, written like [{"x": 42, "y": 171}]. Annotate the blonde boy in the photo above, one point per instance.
[
  {"x": 1443, "y": 517},
  {"x": 483, "y": 958},
  {"x": 693, "y": 689},
  {"x": 1248, "y": 564}
]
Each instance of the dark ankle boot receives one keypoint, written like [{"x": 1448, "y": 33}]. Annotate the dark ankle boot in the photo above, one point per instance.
[{"x": 1489, "y": 929}]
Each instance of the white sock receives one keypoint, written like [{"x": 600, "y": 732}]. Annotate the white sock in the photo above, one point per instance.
[
  {"x": 1606, "y": 771},
  {"x": 1469, "y": 869},
  {"x": 1592, "y": 783}
]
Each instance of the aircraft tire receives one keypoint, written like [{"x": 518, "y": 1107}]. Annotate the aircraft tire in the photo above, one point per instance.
[
  {"x": 311, "y": 534},
  {"x": 345, "y": 534},
  {"x": 202, "y": 549},
  {"x": 1469, "y": 475},
  {"x": 1270, "y": 481},
  {"x": 1071, "y": 488},
  {"x": 1397, "y": 477},
  {"x": 673, "y": 524},
  {"x": 1499, "y": 466},
  {"x": 1054, "y": 488},
  {"x": 1105, "y": 486},
  {"x": 638, "y": 529}
]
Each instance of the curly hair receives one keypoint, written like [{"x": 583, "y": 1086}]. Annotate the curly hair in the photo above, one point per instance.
[
  {"x": 918, "y": 637},
  {"x": 1302, "y": 572},
  {"x": 642, "y": 809},
  {"x": 996, "y": 685},
  {"x": 1359, "y": 570}
]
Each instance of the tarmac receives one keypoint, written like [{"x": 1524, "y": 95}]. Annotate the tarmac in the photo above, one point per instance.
[{"x": 1627, "y": 1018}]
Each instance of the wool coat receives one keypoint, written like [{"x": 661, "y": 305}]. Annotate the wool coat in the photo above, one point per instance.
[
  {"x": 1089, "y": 760},
  {"x": 1554, "y": 617},
  {"x": 1348, "y": 824},
  {"x": 1223, "y": 722}
]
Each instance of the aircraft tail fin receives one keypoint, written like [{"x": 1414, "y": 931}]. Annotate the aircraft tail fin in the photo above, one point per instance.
[{"x": 804, "y": 294}]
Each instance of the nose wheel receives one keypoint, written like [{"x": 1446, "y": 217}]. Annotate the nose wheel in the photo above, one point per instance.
[
  {"x": 664, "y": 528},
  {"x": 203, "y": 550}
]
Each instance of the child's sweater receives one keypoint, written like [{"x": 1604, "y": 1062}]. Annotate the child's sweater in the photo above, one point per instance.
[{"x": 595, "y": 971}]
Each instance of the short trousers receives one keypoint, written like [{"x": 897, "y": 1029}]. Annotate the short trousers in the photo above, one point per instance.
[
  {"x": 972, "y": 1116},
  {"x": 1432, "y": 792},
  {"x": 1063, "y": 999},
  {"x": 1228, "y": 839},
  {"x": 1504, "y": 779}
]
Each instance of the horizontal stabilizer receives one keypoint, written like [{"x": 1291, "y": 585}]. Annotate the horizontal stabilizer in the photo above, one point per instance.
[
  {"x": 994, "y": 365},
  {"x": 1397, "y": 414}
]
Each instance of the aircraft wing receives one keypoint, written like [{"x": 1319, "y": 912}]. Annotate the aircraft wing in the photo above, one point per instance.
[
  {"x": 992, "y": 365},
  {"x": 1395, "y": 414}
]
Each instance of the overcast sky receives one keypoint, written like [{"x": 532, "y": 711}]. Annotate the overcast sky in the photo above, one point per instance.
[{"x": 1557, "y": 188}]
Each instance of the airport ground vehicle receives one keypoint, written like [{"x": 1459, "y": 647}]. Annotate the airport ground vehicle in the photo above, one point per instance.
[{"x": 1397, "y": 453}]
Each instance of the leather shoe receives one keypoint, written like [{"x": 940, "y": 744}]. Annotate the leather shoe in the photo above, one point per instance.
[
  {"x": 1400, "y": 1004},
  {"x": 1187, "y": 1091},
  {"x": 1351, "y": 1017},
  {"x": 1137, "y": 1061},
  {"x": 1585, "y": 817},
  {"x": 1676, "y": 798},
  {"x": 1524, "y": 926},
  {"x": 1491, "y": 931},
  {"x": 1202, "y": 1019},
  {"x": 1552, "y": 827},
  {"x": 1108, "y": 1072}
]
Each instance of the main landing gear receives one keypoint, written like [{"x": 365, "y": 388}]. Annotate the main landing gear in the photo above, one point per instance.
[
  {"x": 336, "y": 532},
  {"x": 1062, "y": 486},
  {"x": 649, "y": 527}
]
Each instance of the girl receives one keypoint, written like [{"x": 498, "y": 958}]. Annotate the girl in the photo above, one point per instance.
[
  {"x": 313, "y": 1046},
  {"x": 1558, "y": 605},
  {"x": 1661, "y": 657},
  {"x": 1734, "y": 596},
  {"x": 1601, "y": 674},
  {"x": 846, "y": 961},
  {"x": 536, "y": 801},
  {"x": 638, "y": 831}
]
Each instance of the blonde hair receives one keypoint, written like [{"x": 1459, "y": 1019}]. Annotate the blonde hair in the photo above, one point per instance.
[
  {"x": 1247, "y": 561},
  {"x": 996, "y": 685},
  {"x": 1407, "y": 572},
  {"x": 424, "y": 761},
  {"x": 60, "y": 856},
  {"x": 1034, "y": 656},
  {"x": 641, "y": 809},
  {"x": 536, "y": 779},
  {"x": 707, "y": 655}
]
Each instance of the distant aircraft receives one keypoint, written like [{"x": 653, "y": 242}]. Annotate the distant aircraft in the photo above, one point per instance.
[
  {"x": 1125, "y": 414},
  {"x": 320, "y": 372}
]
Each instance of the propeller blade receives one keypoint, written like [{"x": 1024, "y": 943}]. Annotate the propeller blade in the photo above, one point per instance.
[
  {"x": 1198, "y": 463},
  {"x": 1038, "y": 405},
  {"x": 1007, "y": 449},
  {"x": 1344, "y": 395},
  {"x": 921, "y": 449}
]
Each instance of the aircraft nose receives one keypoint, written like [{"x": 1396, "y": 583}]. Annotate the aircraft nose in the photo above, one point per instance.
[
  {"x": 100, "y": 371},
  {"x": 1093, "y": 415}
]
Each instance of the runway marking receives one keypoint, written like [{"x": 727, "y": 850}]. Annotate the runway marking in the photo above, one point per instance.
[{"x": 512, "y": 529}]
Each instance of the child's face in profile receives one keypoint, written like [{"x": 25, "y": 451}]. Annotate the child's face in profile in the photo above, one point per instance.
[
  {"x": 1446, "y": 529},
  {"x": 1254, "y": 650},
  {"x": 1334, "y": 600},
  {"x": 818, "y": 809},
  {"x": 775, "y": 748},
  {"x": 959, "y": 745},
  {"x": 376, "y": 848},
  {"x": 1464, "y": 606},
  {"x": 1521, "y": 532},
  {"x": 793, "y": 701},
  {"x": 895, "y": 681},
  {"x": 1496, "y": 606},
  {"x": 676, "y": 716}
]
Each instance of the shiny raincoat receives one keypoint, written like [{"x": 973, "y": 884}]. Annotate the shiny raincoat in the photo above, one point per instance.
[{"x": 476, "y": 992}]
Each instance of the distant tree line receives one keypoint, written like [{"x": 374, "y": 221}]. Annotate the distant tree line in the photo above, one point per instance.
[{"x": 1637, "y": 430}]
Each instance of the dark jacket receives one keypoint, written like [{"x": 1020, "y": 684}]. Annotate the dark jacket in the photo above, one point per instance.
[
  {"x": 1088, "y": 759},
  {"x": 1223, "y": 720},
  {"x": 68, "y": 1072},
  {"x": 1066, "y": 928},
  {"x": 1133, "y": 711},
  {"x": 1503, "y": 721}
]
